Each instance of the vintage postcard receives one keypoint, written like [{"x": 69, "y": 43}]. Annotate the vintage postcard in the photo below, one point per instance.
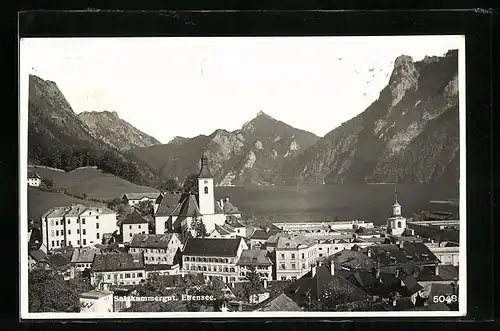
[{"x": 242, "y": 177}]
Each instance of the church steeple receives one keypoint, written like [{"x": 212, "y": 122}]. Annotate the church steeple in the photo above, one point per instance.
[
  {"x": 396, "y": 207},
  {"x": 204, "y": 170}
]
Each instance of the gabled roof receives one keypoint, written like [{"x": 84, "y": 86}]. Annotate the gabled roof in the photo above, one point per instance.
[
  {"x": 189, "y": 207},
  {"x": 254, "y": 257},
  {"x": 204, "y": 171},
  {"x": 280, "y": 302},
  {"x": 261, "y": 234},
  {"x": 168, "y": 204},
  {"x": 138, "y": 196},
  {"x": 37, "y": 255},
  {"x": 212, "y": 247},
  {"x": 134, "y": 218},
  {"x": 84, "y": 255},
  {"x": 118, "y": 261},
  {"x": 151, "y": 240},
  {"x": 57, "y": 261},
  {"x": 32, "y": 175},
  {"x": 222, "y": 231}
]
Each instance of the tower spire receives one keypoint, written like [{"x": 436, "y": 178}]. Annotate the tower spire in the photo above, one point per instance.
[{"x": 395, "y": 195}]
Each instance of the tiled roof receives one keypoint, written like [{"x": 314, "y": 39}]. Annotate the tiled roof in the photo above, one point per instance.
[
  {"x": 254, "y": 257},
  {"x": 37, "y": 255},
  {"x": 159, "y": 266},
  {"x": 169, "y": 202},
  {"x": 134, "y": 218},
  {"x": 188, "y": 207},
  {"x": 57, "y": 261},
  {"x": 138, "y": 196},
  {"x": 260, "y": 234},
  {"x": 118, "y": 261},
  {"x": 222, "y": 231},
  {"x": 280, "y": 302},
  {"x": 84, "y": 255},
  {"x": 32, "y": 174},
  {"x": 410, "y": 285},
  {"x": 56, "y": 212},
  {"x": 204, "y": 171},
  {"x": 151, "y": 240},
  {"x": 212, "y": 247}
]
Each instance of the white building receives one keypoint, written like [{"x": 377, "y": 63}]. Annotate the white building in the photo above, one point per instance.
[
  {"x": 396, "y": 224},
  {"x": 178, "y": 212},
  {"x": 117, "y": 269},
  {"x": 157, "y": 248},
  {"x": 257, "y": 260},
  {"x": 82, "y": 259},
  {"x": 134, "y": 224},
  {"x": 96, "y": 301},
  {"x": 294, "y": 257},
  {"x": 34, "y": 179},
  {"x": 76, "y": 225},
  {"x": 133, "y": 199}
]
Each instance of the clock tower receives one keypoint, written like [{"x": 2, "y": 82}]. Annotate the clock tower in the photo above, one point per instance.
[{"x": 206, "y": 188}]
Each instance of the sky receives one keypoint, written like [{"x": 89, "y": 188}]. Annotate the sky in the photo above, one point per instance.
[{"x": 169, "y": 87}]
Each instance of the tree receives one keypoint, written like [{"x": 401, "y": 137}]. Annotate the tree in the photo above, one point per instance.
[
  {"x": 337, "y": 298},
  {"x": 169, "y": 185},
  {"x": 190, "y": 184},
  {"x": 146, "y": 207},
  {"x": 252, "y": 285},
  {"x": 49, "y": 292},
  {"x": 359, "y": 230},
  {"x": 199, "y": 227},
  {"x": 49, "y": 183}
]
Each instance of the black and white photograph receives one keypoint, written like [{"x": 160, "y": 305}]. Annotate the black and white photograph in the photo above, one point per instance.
[{"x": 170, "y": 177}]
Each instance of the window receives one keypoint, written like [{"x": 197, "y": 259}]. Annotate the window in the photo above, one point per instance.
[
  {"x": 57, "y": 232},
  {"x": 133, "y": 275},
  {"x": 186, "y": 258},
  {"x": 158, "y": 251},
  {"x": 206, "y": 189},
  {"x": 77, "y": 221},
  {"x": 294, "y": 278},
  {"x": 51, "y": 233},
  {"x": 139, "y": 274},
  {"x": 77, "y": 231},
  {"x": 303, "y": 255},
  {"x": 399, "y": 224},
  {"x": 320, "y": 255},
  {"x": 130, "y": 235},
  {"x": 320, "y": 248},
  {"x": 232, "y": 279},
  {"x": 69, "y": 221},
  {"x": 57, "y": 223},
  {"x": 85, "y": 241},
  {"x": 57, "y": 242},
  {"x": 97, "y": 234},
  {"x": 293, "y": 265},
  {"x": 69, "y": 243},
  {"x": 130, "y": 227},
  {"x": 282, "y": 256},
  {"x": 283, "y": 278},
  {"x": 139, "y": 226},
  {"x": 53, "y": 243},
  {"x": 303, "y": 265},
  {"x": 204, "y": 268},
  {"x": 109, "y": 276},
  {"x": 51, "y": 222},
  {"x": 78, "y": 242},
  {"x": 282, "y": 266},
  {"x": 127, "y": 275},
  {"x": 97, "y": 217},
  {"x": 84, "y": 231},
  {"x": 97, "y": 225},
  {"x": 83, "y": 220},
  {"x": 69, "y": 231}
]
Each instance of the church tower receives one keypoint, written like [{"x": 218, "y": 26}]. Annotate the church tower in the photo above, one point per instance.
[
  {"x": 396, "y": 207},
  {"x": 396, "y": 224},
  {"x": 206, "y": 188}
]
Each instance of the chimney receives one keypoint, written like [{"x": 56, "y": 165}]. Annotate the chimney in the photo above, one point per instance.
[
  {"x": 332, "y": 268},
  {"x": 265, "y": 283},
  {"x": 313, "y": 270},
  {"x": 436, "y": 270},
  {"x": 369, "y": 253}
]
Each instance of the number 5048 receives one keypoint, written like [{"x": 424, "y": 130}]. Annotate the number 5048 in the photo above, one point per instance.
[{"x": 445, "y": 298}]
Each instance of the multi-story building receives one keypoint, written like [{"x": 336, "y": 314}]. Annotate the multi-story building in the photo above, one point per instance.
[
  {"x": 76, "y": 225},
  {"x": 213, "y": 257},
  {"x": 305, "y": 228},
  {"x": 447, "y": 252},
  {"x": 257, "y": 260},
  {"x": 294, "y": 256},
  {"x": 134, "y": 224},
  {"x": 34, "y": 179},
  {"x": 96, "y": 301},
  {"x": 117, "y": 269},
  {"x": 133, "y": 199},
  {"x": 157, "y": 248},
  {"x": 82, "y": 259}
]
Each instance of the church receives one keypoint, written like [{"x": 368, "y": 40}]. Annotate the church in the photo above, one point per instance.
[
  {"x": 396, "y": 224},
  {"x": 177, "y": 212}
]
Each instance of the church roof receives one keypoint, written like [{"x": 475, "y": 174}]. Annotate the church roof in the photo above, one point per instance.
[
  {"x": 168, "y": 204},
  {"x": 204, "y": 171},
  {"x": 189, "y": 207}
]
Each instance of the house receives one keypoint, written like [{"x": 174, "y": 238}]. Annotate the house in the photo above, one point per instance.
[
  {"x": 294, "y": 256},
  {"x": 59, "y": 263},
  {"x": 76, "y": 225},
  {"x": 96, "y": 301},
  {"x": 259, "y": 237},
  {"x": 82, "y": 259},
  {"x": 279, "y": 302},
  {"x": 133, "y": 199},
  {"x": 34, "y": 257},
  {"x": 181, "y": 213},
  {"x": 447, "y": 252},
  {"x": 34, "y": 179},
  {"x": 162, "y": 269},
  {"x": 223, "y": 231},
  {"x": 117, "y": 269},
  {"x": 254, "y": 259},
  {"x": 238, "y": 290},
  {"x": 157, "y": 248},
  {"x": 133, "y": 224},
  {"x": 213, "y": 257},
  {"x": 228, "y": 208}
]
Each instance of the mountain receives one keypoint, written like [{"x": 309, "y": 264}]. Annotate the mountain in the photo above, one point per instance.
[
  {"x": 410, "y": 134},
  {"x": 59, "y": 139},
  {"x": 110, "y": 128},
  {"x": 250, "y": 155}
]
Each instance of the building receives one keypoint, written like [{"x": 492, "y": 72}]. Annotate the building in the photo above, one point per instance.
[
  {"x": 162, "y": 269},
  {"x": 134, "y": 224},
  {"x": 117, "y": 269},
  {"x": 76, "y": 225},
  {"x": 213, "y": 257},
  {"x": 133, "y": 199},
  {"x": 59, "y": 263},
  {"x": 305, "y": 228},
  {"x": 259, "y": 237},
  {"x": 35, "y": 257},
  {"x": 396, "y": 224},
  {"x": 82, "y": 259},
  {"x": 157, "y": 248},
  {"x": 294, "y": 257},
  {"x": 97, "y": 301},
  {"x": 180, "y": 213},
  {"x": 254, "y": 259},
  {"x": 34, "y": 179},
  {"x": 447, "y": 252}
]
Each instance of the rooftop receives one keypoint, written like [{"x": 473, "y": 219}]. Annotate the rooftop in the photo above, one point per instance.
[
  {"x": 84, "y": 255},
  {"x": 254, "y": 257},
  {"x": 138, "y": 196},
  {"x": 135, "y": 218},
  {"x": 168, "y": 204},
  {"x": 212, "y": 247},
  {"x": 151, "y": 240},
  {"x": 286, "y": 242},
  {"x": 118, "y": 261},
  {"x": 95, "y": 294},
  {"x": 279, "y": 302}
]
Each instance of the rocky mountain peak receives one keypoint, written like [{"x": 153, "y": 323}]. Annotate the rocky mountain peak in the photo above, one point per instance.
[{"x": 404, "y": 77}]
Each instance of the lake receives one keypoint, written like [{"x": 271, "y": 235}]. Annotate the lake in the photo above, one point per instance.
[{"x": 371, "y": 202}]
